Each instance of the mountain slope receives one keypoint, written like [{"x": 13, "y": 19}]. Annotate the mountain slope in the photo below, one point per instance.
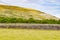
[{"x": 20, "y": 12}]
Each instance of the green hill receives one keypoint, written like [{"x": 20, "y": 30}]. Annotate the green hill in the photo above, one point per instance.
[{"x": 26, "y": 13}]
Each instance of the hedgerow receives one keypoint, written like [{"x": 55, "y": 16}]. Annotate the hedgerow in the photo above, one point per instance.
[{"x": 30, "y": 20}]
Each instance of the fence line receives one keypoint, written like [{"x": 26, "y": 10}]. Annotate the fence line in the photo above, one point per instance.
[{"x": 30, "y": 26}]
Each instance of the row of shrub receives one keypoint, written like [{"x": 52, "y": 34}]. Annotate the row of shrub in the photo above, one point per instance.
[{"x": 30, "y": 20}]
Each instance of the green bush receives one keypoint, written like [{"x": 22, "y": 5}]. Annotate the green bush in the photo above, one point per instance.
[{"x": 30, "y": 20}]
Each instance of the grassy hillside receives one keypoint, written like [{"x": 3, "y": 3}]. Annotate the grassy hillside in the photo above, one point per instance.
[{"x": 20, "y": 12}]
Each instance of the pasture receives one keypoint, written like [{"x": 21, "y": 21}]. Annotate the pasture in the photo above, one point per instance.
[{"x": 29, "y": 34}]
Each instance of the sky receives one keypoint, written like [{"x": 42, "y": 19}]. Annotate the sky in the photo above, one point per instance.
[{"x": 48, "y": 6}]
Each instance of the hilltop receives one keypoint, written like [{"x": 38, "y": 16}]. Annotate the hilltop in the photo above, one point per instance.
[{"x": 26, "y": 13}]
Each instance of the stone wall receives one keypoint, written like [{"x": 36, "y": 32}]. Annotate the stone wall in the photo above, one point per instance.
[{"x": 31, "y": 26}]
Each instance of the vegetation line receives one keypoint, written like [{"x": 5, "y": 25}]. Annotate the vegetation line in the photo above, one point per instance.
[{"x": 30, "y": 20}]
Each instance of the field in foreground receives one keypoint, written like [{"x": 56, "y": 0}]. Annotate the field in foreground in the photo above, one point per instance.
[{"x": 29, "y": 34}]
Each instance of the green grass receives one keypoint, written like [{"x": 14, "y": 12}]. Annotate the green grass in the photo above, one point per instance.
[{"x": 29, "y": 34}]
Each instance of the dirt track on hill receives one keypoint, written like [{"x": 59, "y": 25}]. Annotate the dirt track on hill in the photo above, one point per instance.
[{"x": 31, "y": 26}]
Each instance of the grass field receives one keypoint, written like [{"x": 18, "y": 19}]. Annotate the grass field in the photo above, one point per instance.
[{"x": 29, "y": 34}]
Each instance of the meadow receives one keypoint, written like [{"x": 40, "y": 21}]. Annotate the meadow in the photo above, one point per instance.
[{"x": 29, "y": 34}]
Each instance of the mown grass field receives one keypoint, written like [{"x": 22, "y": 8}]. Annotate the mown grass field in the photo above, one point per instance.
[{"x": 29, "y": 34}]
